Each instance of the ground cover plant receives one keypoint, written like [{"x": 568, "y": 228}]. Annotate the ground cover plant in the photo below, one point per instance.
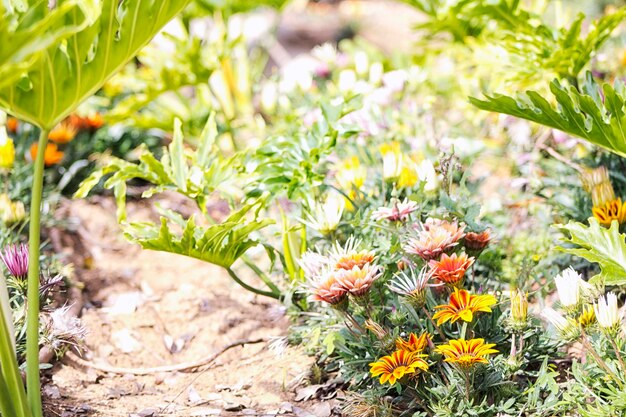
[{"x": 443, "y": 227}]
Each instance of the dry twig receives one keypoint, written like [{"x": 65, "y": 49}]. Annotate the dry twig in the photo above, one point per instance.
[{"x": 181, "y": 367}]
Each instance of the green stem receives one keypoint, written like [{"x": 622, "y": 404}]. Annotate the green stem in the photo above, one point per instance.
[
  {"x": 32, "y": 332},
  {"x": 238, "y": 280},
  {"x": 262, "y": 275}
]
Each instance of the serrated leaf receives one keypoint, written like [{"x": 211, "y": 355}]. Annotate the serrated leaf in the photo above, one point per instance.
[
  {"x": 606, "y": 247},
  {"x": 220, "y": 244},
  {"x": 579, "y": 114}
]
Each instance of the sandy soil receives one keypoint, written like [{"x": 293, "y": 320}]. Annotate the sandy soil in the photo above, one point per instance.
[{"x": 145, "y": 309}]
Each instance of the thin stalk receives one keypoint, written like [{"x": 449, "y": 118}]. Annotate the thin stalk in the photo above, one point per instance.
[
  {"x": 266, "y": 280},
  {"x": 618, "y": 354},
  {"x": 599, "y": 360},
  {"x": 443, "y": 336},
  {"x": 34, "y": 237},
  {"x": 467, "y": 384},
  {"x": 238, "y": 280}
]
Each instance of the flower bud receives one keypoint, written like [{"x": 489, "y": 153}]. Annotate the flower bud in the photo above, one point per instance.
[{"x": 519, "y": 310}]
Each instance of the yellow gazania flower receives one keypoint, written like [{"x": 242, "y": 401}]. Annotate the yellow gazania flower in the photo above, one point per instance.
[
  {"x": 612, "y": 210},
  {"x": 588, "y": 317},
  {"x": 463, "y": 306},
  {"x": 350, "y": 174},
  {"x": 414, "y": 343},
  {"x": 393, "y": 367},
  {"x": 351, "y": 177},
  {"x": 408, "y": 175},
  {"x": 392, "y": 160},
  {"x": 7, "y": 153},
  {"x": 466, "y": 353}
]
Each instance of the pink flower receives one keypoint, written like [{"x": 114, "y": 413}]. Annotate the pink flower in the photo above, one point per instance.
[
  {"x": 399, "y": 212},
  {"x": 329, "y": 290},
  {"x": 436, "y": 237},
  {"x": 15, "y": 257},
  {"x": 357, "y": 281}
]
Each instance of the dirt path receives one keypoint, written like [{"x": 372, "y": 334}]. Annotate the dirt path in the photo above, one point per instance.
[{"x": 146, "y": 309}]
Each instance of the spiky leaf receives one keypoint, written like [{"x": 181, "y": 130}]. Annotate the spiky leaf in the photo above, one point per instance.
[
  {"x": 606, "y": 247},
  {"x": 220, "y": 244},
  {"x": 583, "y": 114}
]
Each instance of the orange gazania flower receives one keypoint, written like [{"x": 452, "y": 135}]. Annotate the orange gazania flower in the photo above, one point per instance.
[
  {"x": 466, "y": 353},
  {"x": 357, "y": 281},
  {"x": 63, "y": 133},
  {"x": 451, "y": 269},
  {"x": 351, "y": 259},
  {"x": 414, "y": 343},
  {"x": 93, "y": 121},
  {"x": 463, "y": 306},
  {"x": 393, "y": 367},
  {"x": 329, "y": 290},
  {"x": 477, "y": 241},
  {"x": 12, "y": 125},
  {"x": 612, "y": 210},
  {"x": 52, "y": 155}
]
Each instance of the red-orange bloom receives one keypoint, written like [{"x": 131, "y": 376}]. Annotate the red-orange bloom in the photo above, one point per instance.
[
  {"x": 52, "y": 154},
  {"x": 477, "y": 241},
  {"x": 414, "y": 343},
  {"x": 463, "y": 306},
  {"x": 12, "y": 124},
  {"x": 63, "y": 133},
  {"x": 329, "y": 290},
  {"x": 92, "y": 121},
  {"x": 451, "y": 269}
]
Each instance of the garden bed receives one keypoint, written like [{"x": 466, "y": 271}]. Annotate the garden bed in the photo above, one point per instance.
[{"x": 142, "y": 305}]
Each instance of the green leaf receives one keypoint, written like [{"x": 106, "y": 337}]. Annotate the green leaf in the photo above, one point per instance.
[
  {"x": 10, "y": 373},
  {"x": 26, "y": 33},
  {"x": 62, "y": 77},
  {"x": 606, "y": 247},
  {"x": 220, "y": 244},
  {"x": 579, "y": 114}
]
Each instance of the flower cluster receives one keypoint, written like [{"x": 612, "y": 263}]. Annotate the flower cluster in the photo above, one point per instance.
[
  {"x": 583, "y": 310},
  {"x": 346, "y": 271}
]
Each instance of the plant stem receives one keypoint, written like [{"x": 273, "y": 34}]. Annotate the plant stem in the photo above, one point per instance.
[
  {"x": 467, "y": 384},
  {"x": 238, "y": 280},
  {"x": 599, "y": 359},
  {"x": 32, "y": 330},
  {"x": 443, "y": 336},
  {"x": 618, "y": 354}
]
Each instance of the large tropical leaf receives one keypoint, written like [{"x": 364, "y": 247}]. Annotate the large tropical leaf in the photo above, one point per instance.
[
  {"x": 26, "y": 32},
  {"x": 594, "y": 114},
  {"x": 64, "y": 76},
  {"x": 606, "y": 247}
]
